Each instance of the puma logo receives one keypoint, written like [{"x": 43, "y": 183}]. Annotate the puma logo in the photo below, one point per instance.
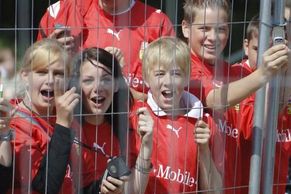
[
  {"x": 176, "y": 131},
  {"x": 116, "y": 34},
  {"x": 98, "y": 147}
]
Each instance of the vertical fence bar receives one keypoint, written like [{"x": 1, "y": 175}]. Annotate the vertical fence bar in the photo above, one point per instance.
[
  {"x": 171, "y": 9},
  {"x": 272, "y": 113},
  {"x": 23, "y": 26},
  {"x": 255, "y": 169}
]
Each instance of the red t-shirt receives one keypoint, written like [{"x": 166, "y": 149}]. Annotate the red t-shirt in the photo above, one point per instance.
[
  {"x": 93, "y": 164},
  {"x": 131, "y": 31},
  {"x": 205, "y": 77},
  {"x": 174, "y": 155},
  {"x": 283, "y": 145},
  {"x": 32, "y": 136},
  {"x": 244, "y": 122}
]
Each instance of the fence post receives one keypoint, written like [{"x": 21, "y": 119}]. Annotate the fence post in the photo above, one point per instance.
[
  {"x": 272, "y": 113},
  {"x": 255, "y": 168}
]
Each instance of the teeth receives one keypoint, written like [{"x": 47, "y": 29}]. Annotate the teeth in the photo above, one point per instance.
[
  {"x": 168, "y": 94},
  {"x": 210, "y": 47},
  {"x": 47, "y": 93},
  {"x": 99, "y": 99}
]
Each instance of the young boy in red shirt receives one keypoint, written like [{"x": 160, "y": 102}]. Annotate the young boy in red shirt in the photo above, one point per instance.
[
  {"x": 181, "y": 156},
  {"x": 205, "y": 25},
  {"x": 245, "y": 115}
]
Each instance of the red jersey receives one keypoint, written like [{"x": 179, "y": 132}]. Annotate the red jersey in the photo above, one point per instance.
[
  {"x": 67, "y": 13},
  {"x": 205, "y": 77},
  {"x": 32, "y": 135},
  {"x": 244, "y": 123},
  {"x": 130, "y": 31},
  {"x": 283, "y": 145},
  {"x": 174, "y": 155},
  {"x": 93, "y": 164}
]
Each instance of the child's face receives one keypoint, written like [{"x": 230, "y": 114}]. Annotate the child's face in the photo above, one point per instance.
[
  {"x": 97, "y": 85},
  {"x": 167, "y": 85},
  {"x": 208, "y": 33},
  {"x": 251, "y": 51},
  {"x": 41, "y": 86}
]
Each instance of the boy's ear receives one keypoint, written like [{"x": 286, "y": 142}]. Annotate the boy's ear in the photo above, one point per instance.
[
  {"x": 186, "y": 29},
  {"x": 246, "y": 47}
]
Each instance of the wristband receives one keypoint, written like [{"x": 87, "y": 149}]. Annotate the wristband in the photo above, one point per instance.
[{"x": 7, "y": 137}]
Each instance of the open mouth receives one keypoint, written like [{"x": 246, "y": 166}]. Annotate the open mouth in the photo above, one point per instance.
[
  {"x": 168, "y": 94},
  {"x": 98, "y": 100},
  {"x": 47, "y": 93}
]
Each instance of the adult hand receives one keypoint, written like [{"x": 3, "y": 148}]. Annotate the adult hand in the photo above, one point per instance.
[
  {"x": 6, "y": 113},
  {"x": 63, "y": 36},
  {"x": 117, "y": 53},
  {"x": 65, "y": 103},
  {"x": 112, "y": 185}
]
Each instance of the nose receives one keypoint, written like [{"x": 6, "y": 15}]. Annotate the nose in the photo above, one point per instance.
[
  {"x": 50, "y": 78},
  {"x": 212, "y": 34},
  {"x": 97, "y": 88},
  {"x": 167, "y": 80}
]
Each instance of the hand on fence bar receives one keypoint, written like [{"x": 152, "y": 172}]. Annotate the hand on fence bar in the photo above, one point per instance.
[
  {"x": 117, "y": 53},
  {"x": 63, "y": 36},
  {"x": 274, "y": 59}
]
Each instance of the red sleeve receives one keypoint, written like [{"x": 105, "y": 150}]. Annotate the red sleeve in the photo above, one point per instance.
[
  {"x": 68, "y": 13},
  {"x": 135, "y": 139},
  {"x": 167, "y": 27},
  {"x": 44, "y": 25},
  {"x": 245, "y": 119},
  {"x": 200, "y": 85},
  {"x": 29, "y": 146}
]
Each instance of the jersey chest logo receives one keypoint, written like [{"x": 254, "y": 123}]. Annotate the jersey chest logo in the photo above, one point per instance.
[
  {"x": 98, "y": 147},
  {"x": 175, "y": 130},
  {"x": 116, "y": 34}
]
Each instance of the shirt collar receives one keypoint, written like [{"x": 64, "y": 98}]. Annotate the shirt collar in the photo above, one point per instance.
[{"x": 190, "y": 101}]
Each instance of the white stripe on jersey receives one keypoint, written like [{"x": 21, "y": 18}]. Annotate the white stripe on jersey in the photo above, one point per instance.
[{"x": 54, "y": 9}]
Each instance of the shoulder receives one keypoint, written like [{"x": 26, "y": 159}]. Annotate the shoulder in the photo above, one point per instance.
[{"x": 149, "y": 11}]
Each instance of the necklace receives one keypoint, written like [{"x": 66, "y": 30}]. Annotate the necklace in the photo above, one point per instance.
[{"x": 27, "y": 107}]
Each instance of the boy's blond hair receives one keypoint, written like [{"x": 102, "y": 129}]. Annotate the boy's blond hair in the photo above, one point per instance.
[
  {"x": 166, "y": 52},
  {"x": 192, "y": 6}
]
